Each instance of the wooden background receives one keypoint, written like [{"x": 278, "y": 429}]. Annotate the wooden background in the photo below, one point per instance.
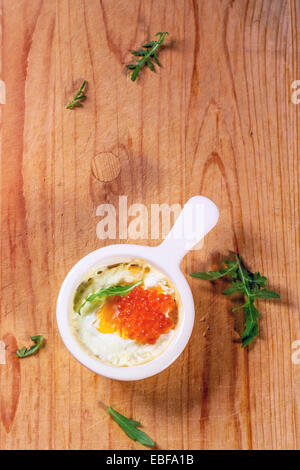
[{"x": 217, "y": 119}]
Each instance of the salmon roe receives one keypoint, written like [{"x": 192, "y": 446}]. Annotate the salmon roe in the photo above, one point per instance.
[{"x": 140, "y": 315}]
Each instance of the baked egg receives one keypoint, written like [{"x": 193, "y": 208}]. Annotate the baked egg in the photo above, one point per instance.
[{"x": 126, "y": 314}]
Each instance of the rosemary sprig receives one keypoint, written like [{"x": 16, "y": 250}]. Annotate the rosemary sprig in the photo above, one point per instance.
[
  {"x": 24, "y": 352},
  {"x": 148, "y": 54},
  {"x": 251, "y": 285},
  {"x": 80, "y": 96},
  {"x": 130, "y": 427}
]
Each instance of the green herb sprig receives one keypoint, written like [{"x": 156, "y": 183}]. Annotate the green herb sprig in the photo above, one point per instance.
[
  {"x": 130, "y": 427},
  {"x": 148, "y": 54},
  {"x": 24, "y": 352},
  {"x": 80, "y": 96},
  {"x": 109, "y": 291},
  {"x": 252, "y": 285}
]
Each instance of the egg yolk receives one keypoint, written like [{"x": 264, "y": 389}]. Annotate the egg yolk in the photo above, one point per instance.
[{"x": 140, "y": 315}]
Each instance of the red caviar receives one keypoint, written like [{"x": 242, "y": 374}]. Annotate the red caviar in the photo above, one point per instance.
[{"x": 140, "y": 315}]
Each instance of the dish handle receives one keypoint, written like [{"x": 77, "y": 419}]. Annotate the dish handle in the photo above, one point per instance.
[{"x": 198, "y": 217}]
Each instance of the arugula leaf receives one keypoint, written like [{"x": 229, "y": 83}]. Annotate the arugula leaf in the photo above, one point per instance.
[
  {"x": 237, "y": 286},
  {"x": 24, "y": 352},
  {"x": 130, "y": 427},
  {"x": 147, "y": 54},
  {"x": 109, "y": 291},
  {"x": 252, "y": 285},
  {"x": 251, "y": 324},
  {"x": 266, "y": 294},
  {"x": 259, "y": 280},
  {"x": 76, "y": 102},
  {"x": 212, "y": 275}
]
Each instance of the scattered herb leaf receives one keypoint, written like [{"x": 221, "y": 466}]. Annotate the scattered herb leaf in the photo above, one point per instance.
[
  {"x": 130, "y": 428},
  {"x": 109, "y": 291},
  {"x": 24, "y": 352},
  {"x": 80, "y": 96},
  {"x": 252, "y": 285},
  {"x": 148, "y": 54}
]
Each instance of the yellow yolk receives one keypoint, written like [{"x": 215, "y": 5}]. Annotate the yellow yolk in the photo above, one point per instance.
[{"x": 107, "y": 315}]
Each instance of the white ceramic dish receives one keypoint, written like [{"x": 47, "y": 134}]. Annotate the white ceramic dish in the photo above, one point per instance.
[{"x": 197, "y": 218}]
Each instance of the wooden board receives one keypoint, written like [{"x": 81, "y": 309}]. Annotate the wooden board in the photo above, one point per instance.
[{"x": 217, "y": 119}]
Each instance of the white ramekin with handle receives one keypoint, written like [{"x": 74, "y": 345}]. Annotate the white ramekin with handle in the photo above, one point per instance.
[{"x": 197, "y": 218}]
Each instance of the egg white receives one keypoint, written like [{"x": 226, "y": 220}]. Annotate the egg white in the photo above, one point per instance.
[{"x": 110, "y": 347}]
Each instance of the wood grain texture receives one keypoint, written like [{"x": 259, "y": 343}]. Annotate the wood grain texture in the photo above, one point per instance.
[
  {"x": 105, "y": 166},
  {"x": 216, "y": 119}
]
